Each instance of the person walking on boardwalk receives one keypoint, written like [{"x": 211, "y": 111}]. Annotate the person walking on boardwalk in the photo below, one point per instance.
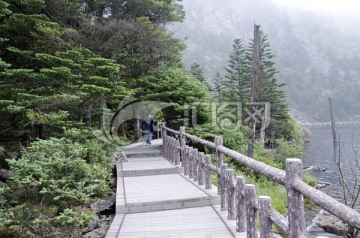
[{"x": 148, "y": 127}]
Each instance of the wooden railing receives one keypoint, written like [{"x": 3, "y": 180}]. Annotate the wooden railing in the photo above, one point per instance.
[{"x": 240, "y": 199}]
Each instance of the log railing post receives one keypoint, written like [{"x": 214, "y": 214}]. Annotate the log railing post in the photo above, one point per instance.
[
  {"x": 186, "y": 160},
  {"x": 182, "y": 144},
  {"x": 165, "y": 147},
  {"x": 174, "y": 150},
  {"x": 222, "y": 186},
  {"x": 196, "y": 168},
  {"x": 208, "y": 183},
  {"x": 250, "y": 198},
  {"x": 189, "y": 161},
  {"x": 219, "y": 157},
  {"x": 230, "y": 194},
  {"x": 265, "y": 222},
  {"x": 240, "y": 204},
  {"x": 178, "y": 153},
  {"x": 173, "y": 157},
  {"x": 295, "y": 200},
  {"x": 171, "y": 150},
  {"x": 163, "y": 136},
  {"x": 163, "y": 131},
  {"x": 192, "y": 162},
  {"x": 168, "y": 146},
  {"x": 201, "y": 168}
]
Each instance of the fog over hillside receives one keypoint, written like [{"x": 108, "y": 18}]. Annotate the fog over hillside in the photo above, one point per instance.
[{"x": 317, "y": 53}]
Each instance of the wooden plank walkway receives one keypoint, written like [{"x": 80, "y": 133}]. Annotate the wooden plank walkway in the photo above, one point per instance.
[{"x": 155, "y": 199}]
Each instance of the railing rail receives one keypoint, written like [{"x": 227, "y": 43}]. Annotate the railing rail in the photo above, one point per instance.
[{"x": 240, "y": 199}]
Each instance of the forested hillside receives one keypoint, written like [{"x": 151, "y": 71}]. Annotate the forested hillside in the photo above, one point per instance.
[
  {"x": 316, "y": 53},
  {"x": 65, "y": 67},
  {"x": 68, "y": 71}
]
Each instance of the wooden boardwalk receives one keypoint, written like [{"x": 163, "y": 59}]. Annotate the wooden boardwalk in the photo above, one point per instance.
[{"x": 155, "y": 199}]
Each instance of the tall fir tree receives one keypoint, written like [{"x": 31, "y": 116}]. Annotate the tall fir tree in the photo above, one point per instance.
[
  {"x": 218, "y": 87},
  {"x": 269, "y": 88},
  {"x": 237, "y": 83},
  {"x": 198, "y": 72}
]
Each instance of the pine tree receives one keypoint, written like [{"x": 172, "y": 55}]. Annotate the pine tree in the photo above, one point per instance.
[
  {"x": 198, "y": 72},
  {"x": 269, "y": 88},
  {"x": 3, "y": 12},
  {"x": 237, "y": 84},
  {"x": 218, "y": 87},
  {"x": 67, "y": 89}
]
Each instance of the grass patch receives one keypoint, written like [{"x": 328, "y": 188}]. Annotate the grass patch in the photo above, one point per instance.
[{"x": 266, "y": 187}]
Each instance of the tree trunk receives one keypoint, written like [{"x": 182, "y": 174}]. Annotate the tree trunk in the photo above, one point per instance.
[
  {"x": 253, "y": 99},
  {"x": 42, "y": 132},
  {"x": 333, "y": 126},
  {"x": 136, "y": 115},
  {"x": 263, "y": 127},
  {"x": 87, "y": 120}
]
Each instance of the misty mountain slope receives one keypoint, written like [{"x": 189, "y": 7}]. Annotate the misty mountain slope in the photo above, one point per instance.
[{"x": 317, "y": 55}]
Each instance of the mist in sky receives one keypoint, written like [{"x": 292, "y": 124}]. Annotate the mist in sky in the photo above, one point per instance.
[{"x": 331, "y": 6}]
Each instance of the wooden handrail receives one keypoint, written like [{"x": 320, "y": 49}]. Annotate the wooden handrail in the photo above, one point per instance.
[
  {"x": 328, "y": 203},
  {"x": 275, "y": 174},
  {"x": 173, "y": 131},
  {"x": 195, "y": 164},
  {"x": 200, "y": 141},
  {"x": 279, "y": 220}
]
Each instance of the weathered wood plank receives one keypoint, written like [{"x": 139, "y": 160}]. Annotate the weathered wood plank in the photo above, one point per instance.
[
  {"x": 219, "y": 158},
  {"x": 279, "y": 220},
  {"x": 295, "y": 200},
  {"x": 328, "y": 203},
  {"x": 208, "y": 183},
  {"x": 201, "y": 178},
  {"x": 200, "y": 141},
  {"x": 222, "y": 186},
  {"x": 177, "y": 152},
  {"x": 182, "y": 145},
  {"x": 265, "y": 222},
  {"x": 230, "y": 194},
  {"x": 250, "y": 198},
  {"x": 240, "y": 204}
]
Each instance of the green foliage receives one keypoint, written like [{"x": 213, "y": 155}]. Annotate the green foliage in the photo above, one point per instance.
[
  {"x": 238, "y": 82},
  {"x": 270, "y": 90},
  {"x": 218, "y": 87},
  {"x": 56, "y": 178},
  {"x": 137, "y": 44},
  {"x": 54, "y": 94},
  {"x": 277, "y": 192},
  {"x": 158, "y": 12},
  {"x": 198, "y": 73},
  {"x": 180, "y": 89},
  {"x": 31, "y": 219},
  {"x": 312, "y": 181}
]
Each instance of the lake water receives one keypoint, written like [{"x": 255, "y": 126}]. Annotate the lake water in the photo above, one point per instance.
[{"x": 320, "y": 151}]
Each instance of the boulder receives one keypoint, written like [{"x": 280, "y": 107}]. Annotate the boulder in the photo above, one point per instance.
[
  {"x": 103, "y": 204},
  {"x": 334, "y": 225},
  {"x": 5, "y": 174},
  {"x": 102, "y": 226},
  {"x": 313, "y": 171}
]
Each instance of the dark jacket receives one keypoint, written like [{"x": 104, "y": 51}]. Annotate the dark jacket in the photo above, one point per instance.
[{"x": 148, "y": 124}]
